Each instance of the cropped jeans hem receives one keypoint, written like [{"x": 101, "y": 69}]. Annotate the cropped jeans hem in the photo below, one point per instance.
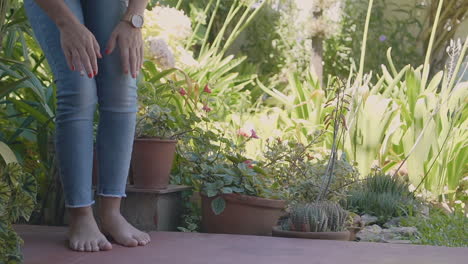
[
  {"x": 80, "y": 205},
  {"x": 112, "y": 195}
]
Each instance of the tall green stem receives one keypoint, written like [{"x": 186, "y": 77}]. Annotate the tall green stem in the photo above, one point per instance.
[
  {"x": 364, "y": 43},
  {"x": 426, "y": 69}
]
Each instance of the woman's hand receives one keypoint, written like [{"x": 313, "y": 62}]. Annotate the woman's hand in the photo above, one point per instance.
[
  {"x": 131, "y": 47},
  {"x": 80, "y": 47}
]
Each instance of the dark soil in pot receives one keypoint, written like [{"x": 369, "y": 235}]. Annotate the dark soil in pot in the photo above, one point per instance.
[
  {"x": 344, "y": 235},
  {"x": 245, "y": 215},
  {"x": 152, "y": 162}
]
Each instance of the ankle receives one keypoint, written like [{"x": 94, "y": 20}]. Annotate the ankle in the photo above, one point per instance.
[
  {"x": 81, "y": 212},
  {"x": 109, "y": 214}
]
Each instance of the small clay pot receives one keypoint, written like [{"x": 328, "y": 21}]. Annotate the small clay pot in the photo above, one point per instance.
[
  {"x": 152, "y": 162},
  {"x": 352, "y": 232},
  {"x": 244, "y": 215},
  {"x": 344, "y": 235}
]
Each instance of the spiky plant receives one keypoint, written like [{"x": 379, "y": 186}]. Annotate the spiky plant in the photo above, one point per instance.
[
  {"x": 322, "y": 216},
  {"x": 381, "y": 195}
]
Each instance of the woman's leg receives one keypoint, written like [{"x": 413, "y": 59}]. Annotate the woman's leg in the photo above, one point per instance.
[
  {"x": 117, "y": 100},
  {"x": 76, "y": 101}
]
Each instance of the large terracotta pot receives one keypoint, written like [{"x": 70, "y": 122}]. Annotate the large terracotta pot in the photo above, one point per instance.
[
  {"x": 245, "y": 215},
  {"x": 279, "y": 232},
  {"x": 152, "y": 162}
]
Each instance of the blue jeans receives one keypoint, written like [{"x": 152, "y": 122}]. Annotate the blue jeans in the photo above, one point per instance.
[{"x": 113, "y": 91}]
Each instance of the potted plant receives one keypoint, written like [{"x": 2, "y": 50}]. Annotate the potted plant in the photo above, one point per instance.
[
  {"x": 318, "y": 220},
  {"x": 237, "y": 199},
  {"x": 164, "y": 116},
  {"x": 153, "y": 148}
]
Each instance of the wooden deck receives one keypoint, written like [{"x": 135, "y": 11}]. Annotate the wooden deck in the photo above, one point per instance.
[{"x": 47, "y": 245}]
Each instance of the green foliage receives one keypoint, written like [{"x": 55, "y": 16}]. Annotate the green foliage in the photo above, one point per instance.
[
  {"x": 381, "y": 195},
  {"x": 191, "y": 217},
  {"x": 214, "y": 165},
  {"x": 316, "y": 217},
  {"x": 17, "y": 200},
  {"x": 396, "y": 31},
  {"x": 302, "y": 169},
  {"x": 440, "y": 229}
]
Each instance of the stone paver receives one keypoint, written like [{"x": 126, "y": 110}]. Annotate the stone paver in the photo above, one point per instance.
[{"x": 47, "y": 245}]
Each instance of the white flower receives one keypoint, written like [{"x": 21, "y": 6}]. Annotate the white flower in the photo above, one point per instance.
[
  {"x": 166, "y": 31},
  {"x": 159, "y": 51},
  {"x": 168, "y": 22},
  {"x": 185, "y": 57}
]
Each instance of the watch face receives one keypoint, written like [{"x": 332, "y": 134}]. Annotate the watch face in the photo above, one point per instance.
[{"x": 137, "y": 21}]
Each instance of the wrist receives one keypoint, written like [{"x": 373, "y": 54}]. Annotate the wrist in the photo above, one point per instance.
[{"x": 65, "y": 22}]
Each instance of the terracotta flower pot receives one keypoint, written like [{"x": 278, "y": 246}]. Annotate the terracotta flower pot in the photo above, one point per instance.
[
  {"x": 245, "y": 215},
  {"x": 278, "y": 232},
  {"x": 353, "y": 232},
  {"x": 152, "y": 162}
]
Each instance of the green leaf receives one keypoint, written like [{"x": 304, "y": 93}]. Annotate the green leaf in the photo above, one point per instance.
[
  {"x": 22, "y": 206},
  {"x": 211, "y": 192},
  {"x": 7, "y": 153},
  {"x": 7, "y": 88},
  {"x": 226, "y": 190},
  {"x": 218, "y": 205},
  {"x": 28, "y": 184},
  {"x": 5, "y": 194}
]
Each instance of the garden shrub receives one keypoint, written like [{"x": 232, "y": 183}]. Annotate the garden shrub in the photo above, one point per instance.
[
  {"x": 440, "y": 229},
  {"x": 396, "y": 31},
  {"x": 381, "y": 195},
  {"x": 17, "y": 200}
]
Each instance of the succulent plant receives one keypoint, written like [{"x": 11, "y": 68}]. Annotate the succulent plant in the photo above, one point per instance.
[{"x": 316, "y": 217}]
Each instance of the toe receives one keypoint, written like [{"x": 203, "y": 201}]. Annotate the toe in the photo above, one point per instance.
[
  {"x": 104, "y": 245},
  {"x": 87, "y": 246},
  {"x": 73, "y": 245},
  {"x": 142, "y": 239},
  {"x": 80, "y": 246},
  {"x": 94, "y": 246},
  {"x": 130, "y": 242}
]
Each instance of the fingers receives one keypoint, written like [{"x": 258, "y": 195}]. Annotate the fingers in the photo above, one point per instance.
[
  {"x": 140, "y": 59},
  {"x": 76, "y": 61},
  {"x": 93, "y": 60},
  {"x": 97, "y": 48},
  {"x": 85, "y": 61},
  {"x": 69, "y": 59},
  {"x": 125, "y": 54},
  {"x": 111, "y": 43},
  {"x": 133, "y": 60}
]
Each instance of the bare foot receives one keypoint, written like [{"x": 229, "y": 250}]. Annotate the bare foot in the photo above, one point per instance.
[
  {"x": 84, "y": 234},
  {"x": 122, "y": 232}
]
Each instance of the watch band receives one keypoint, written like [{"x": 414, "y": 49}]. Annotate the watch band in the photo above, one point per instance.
[{"x": 128, "y": 17}]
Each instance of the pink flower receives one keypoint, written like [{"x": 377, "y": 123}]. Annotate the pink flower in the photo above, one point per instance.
[
  {"x": 253, "y": 134},
  {"x": 207, "y": 89},
  {"x": 182, "y": 91},
  {"x": 249, "y": 163},
  {"x": 206, "y": 108},
  {"x": 243, "y": 132}
]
